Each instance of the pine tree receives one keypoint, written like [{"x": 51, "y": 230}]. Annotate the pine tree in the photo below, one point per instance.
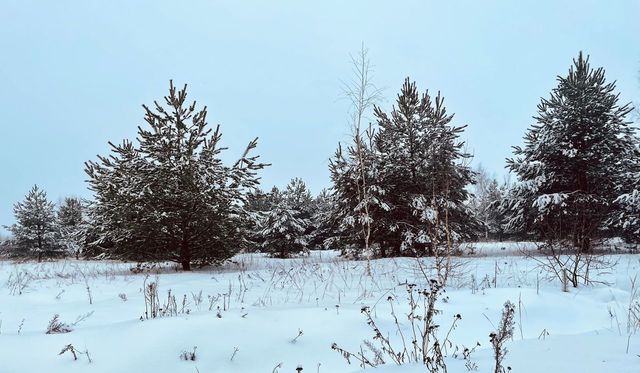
[
  {"x": 424, "y": 173},
  {"x": 326, "y": 231},
  {"x": 72, "y": 225},
  {"x": 359, "y": 207},
  {"x": 36, "y": 231},
  {"x": 287, "y": 225},
  {"x": 485, "y": 204},
  {"x": 257, "y": 206},
  {"x": 171, "y": 197},
  {"x": 570, "y": 167},
  {"x": 625, "y": 217},
  {"x": 298, "y": 196}
]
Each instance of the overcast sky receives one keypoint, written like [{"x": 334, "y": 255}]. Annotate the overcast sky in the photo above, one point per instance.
[{"x": 74, "y": 74}]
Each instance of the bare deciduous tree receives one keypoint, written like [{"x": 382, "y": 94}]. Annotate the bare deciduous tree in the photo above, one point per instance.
[{"x": 362, "y": 95}]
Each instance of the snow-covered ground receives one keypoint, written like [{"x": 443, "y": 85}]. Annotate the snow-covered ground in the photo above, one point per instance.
[{"x": 264, "y": 303}]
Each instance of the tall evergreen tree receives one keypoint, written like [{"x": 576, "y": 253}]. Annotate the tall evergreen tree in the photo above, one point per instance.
[
  {"x": 424, "y": 172},
  {"x": 36, "y": 232},
  {"x": 171, "y": 197},
  {"x": 570, "y": 168}
]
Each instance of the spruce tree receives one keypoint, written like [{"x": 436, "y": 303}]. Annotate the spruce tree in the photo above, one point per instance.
[
  {"x": 170, "y": 197},
  {"x": 36, "y": 231},
  {"x": 572, "y": 163}
]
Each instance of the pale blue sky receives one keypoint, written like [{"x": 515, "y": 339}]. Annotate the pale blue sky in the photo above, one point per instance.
[{"x": 73, "y": 74}]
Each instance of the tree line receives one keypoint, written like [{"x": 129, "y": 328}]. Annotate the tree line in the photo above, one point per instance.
[{"x": 402, "y": 185}]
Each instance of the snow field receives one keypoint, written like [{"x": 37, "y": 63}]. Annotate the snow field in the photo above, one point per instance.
[{"x": 265, "y": 302}]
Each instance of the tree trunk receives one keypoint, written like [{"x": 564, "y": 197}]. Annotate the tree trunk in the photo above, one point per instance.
[
  {"x": 39, "y": 248},
  {"x": 185, "y": 255},
  {"x": 396, "y": 250},
  {"x": 383, "y": 252}
]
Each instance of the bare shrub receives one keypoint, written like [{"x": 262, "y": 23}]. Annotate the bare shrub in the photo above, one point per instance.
[
  {"x": 56, "y": 326},
  {"x": 86, "y": 285},
  {"x": 197, "y": 299},
  {"x": 499, "y": 337},
  {"x": 422, "y": 345},
  {"x": 189, "y": 355},
  {"x": 81, "y": 318},
  {"x": 75, "y": 352},
  {"x": 235, "y": 351},
  {"x": 151, "y": 300},
  {"x": 18, "y": 282},
  {"x": 152, "y": 308},
  {"x": 571, "y": 265},
  {"x": 295, "y": 339},
  {"x": 633, "y": 314}
]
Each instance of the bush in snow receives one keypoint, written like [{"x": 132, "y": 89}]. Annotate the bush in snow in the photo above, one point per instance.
[
  {"x": 424, "y": 345},
  {"x": 18, "y": 282},
  {"x": 56, "y": 326},
  {"x": 189, "y": 355},
  {"x": 75, "y": 352}
]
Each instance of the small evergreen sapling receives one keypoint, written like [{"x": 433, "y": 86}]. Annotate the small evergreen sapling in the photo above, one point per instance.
[
  {"x": 287, "y": 224},
  {"x": 36, "y": 232}
]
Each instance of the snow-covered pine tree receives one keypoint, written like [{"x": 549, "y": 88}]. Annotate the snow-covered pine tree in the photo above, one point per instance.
[
  {"x": 72, "y": 225},
  {"x": 171, "y": 197},
  {"x": 326, "y": 229},
  {"x": 485, "y": 204},
  {"x": 359, "y": 207},
  {"x": 494, "y": 217},
  {"x": 572, "y": 162},
  {"x": 625, "y": 217},
  {"x": 424, "y": 172},
  {"x": 36, "y": 232},
  {"x": 298, "y": 195},
  {"x": 256, "y": 207},
  {"x": 286, "y": 226}
]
